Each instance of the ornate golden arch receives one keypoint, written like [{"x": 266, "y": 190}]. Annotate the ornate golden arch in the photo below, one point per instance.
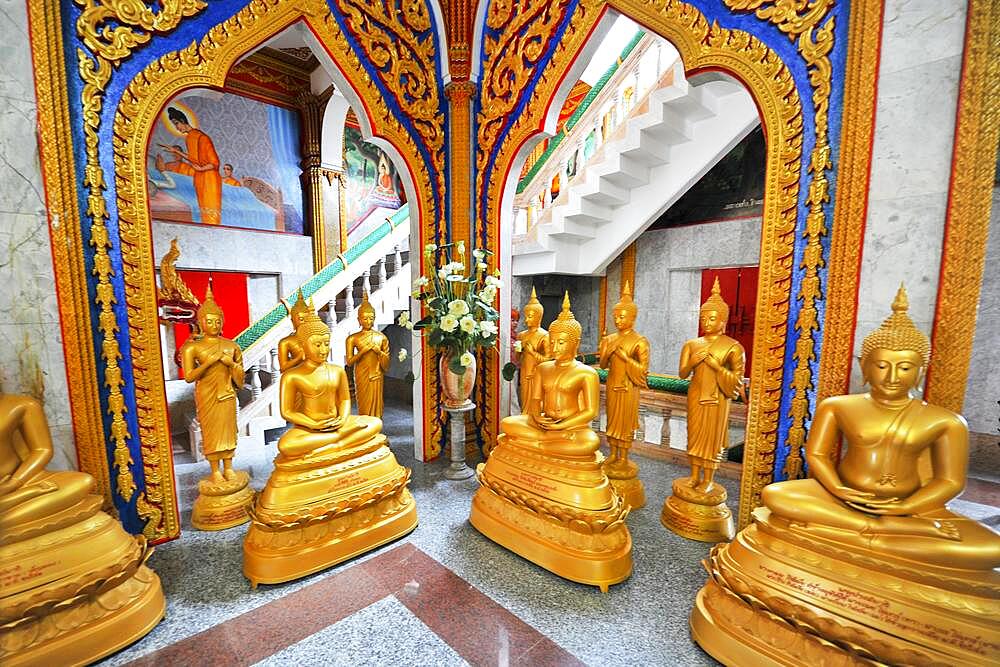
[
  {"x": 703, "y": 46},
  {"x": 205, "y": 64}
]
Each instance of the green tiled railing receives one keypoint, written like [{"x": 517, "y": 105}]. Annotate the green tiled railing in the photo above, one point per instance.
[
  {"x": 256, "y": 331},
  {"x": 580, "y": 110}
]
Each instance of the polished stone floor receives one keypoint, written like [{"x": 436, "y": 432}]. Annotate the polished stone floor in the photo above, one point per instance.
[{"x": 444, "y": 595}]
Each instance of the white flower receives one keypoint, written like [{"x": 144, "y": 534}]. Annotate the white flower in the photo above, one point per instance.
[
  {"x": 402, "y": 354},
  {"x": 443, "y": 273},
  {"x": 420, "y": 282},
  {"x": 449, "y": 323},
  {"x": 403, "y": 319},
  {"x": 493, "y": 281},
  {"x": 488, "y": 293},
  {"x": 478, "y": 254},
  {"x": 455, "y": 267},
  {"x": 487, "y": 328},
  {"x": 468, "y": 324},
  {"x": 461, "y": 247},
  {"x": 455, "y": 278},
  {"x": 481, "y": 266},
  {"x": 466, "y": 359},
  {"x": 458, "y": 307},
  {"x": 430, "y": 247},
  {"x": 517, "y": 346}
]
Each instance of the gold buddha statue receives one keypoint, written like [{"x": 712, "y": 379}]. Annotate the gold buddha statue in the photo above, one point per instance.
[
  {"x": 215, "y": 365},
  {"x": 697, "y": 507},
  {"x": 543, "y": 494},
  {"x": 336, "y": 491},
  {"x": 534, "y": 345},
  {"x": 368, "y": 353},
  {"x": 289, "y": 350},
  {"x": 626, "y": 355},
  {"x": 74, "y": 586},
  {"x": 862, "y": 563}
]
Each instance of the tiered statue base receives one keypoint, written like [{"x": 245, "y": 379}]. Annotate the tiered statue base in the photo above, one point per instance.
[
  {"x": 697, "y": 515},
  {"x": 558, "y": 512},
  {"x": 324, "y": 508},
  {"x": 224, "y": 504},
  {"x": 74, "y": 588},
  {"x": 780, "y": 596},
  {"x": 624, "y": 477}
]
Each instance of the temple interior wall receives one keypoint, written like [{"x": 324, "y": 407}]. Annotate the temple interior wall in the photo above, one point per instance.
[{"x": 30, "y": 337}]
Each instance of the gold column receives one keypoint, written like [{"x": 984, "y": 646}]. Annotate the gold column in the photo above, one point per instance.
[
  {"x": 459, "y": 95},
  {"x": 311, "y": 106},
  {"x": 628, "y": 268}
]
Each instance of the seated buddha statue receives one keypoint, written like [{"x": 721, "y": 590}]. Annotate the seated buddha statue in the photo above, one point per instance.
[
  {"x": 73, "y": 584},
  {"x": 337, "y": 490},
  {"x": 866, "y": 549},
  {"x": 543, "y": 493}
]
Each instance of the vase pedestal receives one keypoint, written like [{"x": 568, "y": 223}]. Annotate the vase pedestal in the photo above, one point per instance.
[{"x": 458, "y": 468}]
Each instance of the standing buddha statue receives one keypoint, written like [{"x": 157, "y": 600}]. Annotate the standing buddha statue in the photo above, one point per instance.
[
  {"x": 74, "y": 586},
  {"x": 368, "y": 353},
  {"x": 863, "y": 563},
  {"x": 697, "y": 508},
  {"x": 534, "y": 344},
  {"x": 289, "y": 350},
  {"x": 215, "y": 365},
  {"x": 626, "y": 355},
  {"x": 543, "y": 494},
  {"x": 337, "y": 490}
]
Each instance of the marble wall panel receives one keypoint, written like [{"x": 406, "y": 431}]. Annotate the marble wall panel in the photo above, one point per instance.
[
  {"x": 31, "y": 354},
  {"x": 919, "y": 70}
]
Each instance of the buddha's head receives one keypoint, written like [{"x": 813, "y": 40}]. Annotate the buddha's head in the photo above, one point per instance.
[
  {"x": 533, "y": 311},
  {"x": 366, "y": 313},
  {"x": 564, "y": 334},
  {"x": 299, "y": 310},
  {"x": 179, "y": 119},
  {"x": 895, "y": 356},
  {"x": 314, "y": 337},
  {"x": 625, "y": 310},
  {"x": 210, "y": 317},
  {"x": 714, "y": 312}
]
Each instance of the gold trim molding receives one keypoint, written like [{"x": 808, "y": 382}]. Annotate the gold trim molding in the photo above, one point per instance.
[{"x": 970, "y": 196}]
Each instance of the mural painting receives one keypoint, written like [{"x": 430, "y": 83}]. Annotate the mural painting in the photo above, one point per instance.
[
  {"x": 223, "y": 159},
  {"x": 372, "y": 183}
]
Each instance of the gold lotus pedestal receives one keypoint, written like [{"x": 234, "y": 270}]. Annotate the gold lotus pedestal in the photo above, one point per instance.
[
  {"x": 558, "y": 512},
  {"x": 222, "y": 504},
  {"x": 698, "y": 515},
  {"x": 774, "y": 588},
  {"x": 359, "y": 501}
]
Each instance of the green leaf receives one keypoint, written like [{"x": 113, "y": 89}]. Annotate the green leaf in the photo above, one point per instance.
[{"x": 455, "y": 365}]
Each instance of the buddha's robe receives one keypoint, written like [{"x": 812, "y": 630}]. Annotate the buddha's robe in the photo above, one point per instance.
[
  {"x": 624, "y": 381},
  {"x": 215, "y": 399},
  {"x": 709, "y": 396},
  {"x": 207, "y": 184}
]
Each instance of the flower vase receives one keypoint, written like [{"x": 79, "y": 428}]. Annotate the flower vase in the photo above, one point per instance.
[{"x": 456, "y": 388}]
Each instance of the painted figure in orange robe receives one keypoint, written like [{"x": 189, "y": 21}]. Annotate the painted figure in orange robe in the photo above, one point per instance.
[
  {"x": 203, "y": 159},
  {"x": 228, "y": 178}
]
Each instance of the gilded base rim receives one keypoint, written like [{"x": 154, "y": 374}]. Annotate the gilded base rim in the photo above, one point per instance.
[
  {"x": 632, "y": 491},
  {"x": 579, "y": 566},
  {"x": 92, "y": 641},
  {"x": 729, "y": 646},
  {"x": 207, "y": 516},
  {"x": 701, "y": 529},
  {"x": 278, "y": 568}
]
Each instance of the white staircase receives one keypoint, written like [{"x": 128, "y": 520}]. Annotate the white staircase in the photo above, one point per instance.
[
  {"x": 661, "y": 146},
  {"x": 383, "y": 271}
]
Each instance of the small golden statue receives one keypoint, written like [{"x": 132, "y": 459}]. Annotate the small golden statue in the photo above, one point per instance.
[
  {"x": 368, "y": 353},
  {"x": 543, "y": 494},
  {"x": 862, "y": 564},
  {"x": 336, "y": 491},
  {"x": 289, "y": 350},
  {"x": 626, "y": 354},
  {"x": 215, "y": 365},
  {"x": 74, "y": 586},
  {"x": 534, "y": 344},
  {"x": 697, "y": 508}
]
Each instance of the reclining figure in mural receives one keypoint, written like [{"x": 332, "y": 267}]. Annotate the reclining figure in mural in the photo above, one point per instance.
[
  {"x": 337, "y": 490},
  {"x": 75, "y": 586},
  {"x": 544, "y": 494},
  {"x": 865, "y": 549}
]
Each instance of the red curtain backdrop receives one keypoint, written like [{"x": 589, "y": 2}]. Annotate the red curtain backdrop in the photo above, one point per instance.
[
  {"x": 739, "y": 290},
  {"x": 229, "y": 291}
]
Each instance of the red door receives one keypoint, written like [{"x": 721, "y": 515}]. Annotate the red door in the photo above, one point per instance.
[
  {"x": 229, "y": 290},
  {"x": 739, "y": 290}
]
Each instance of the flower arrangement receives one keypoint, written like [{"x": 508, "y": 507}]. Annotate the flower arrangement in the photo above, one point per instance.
[{"x": 459, "y": 297}]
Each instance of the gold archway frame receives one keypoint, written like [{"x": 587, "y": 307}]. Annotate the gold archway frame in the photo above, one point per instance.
[
  {"x": 704, "y": 46},
  {"x": 206, "y": 64}
]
